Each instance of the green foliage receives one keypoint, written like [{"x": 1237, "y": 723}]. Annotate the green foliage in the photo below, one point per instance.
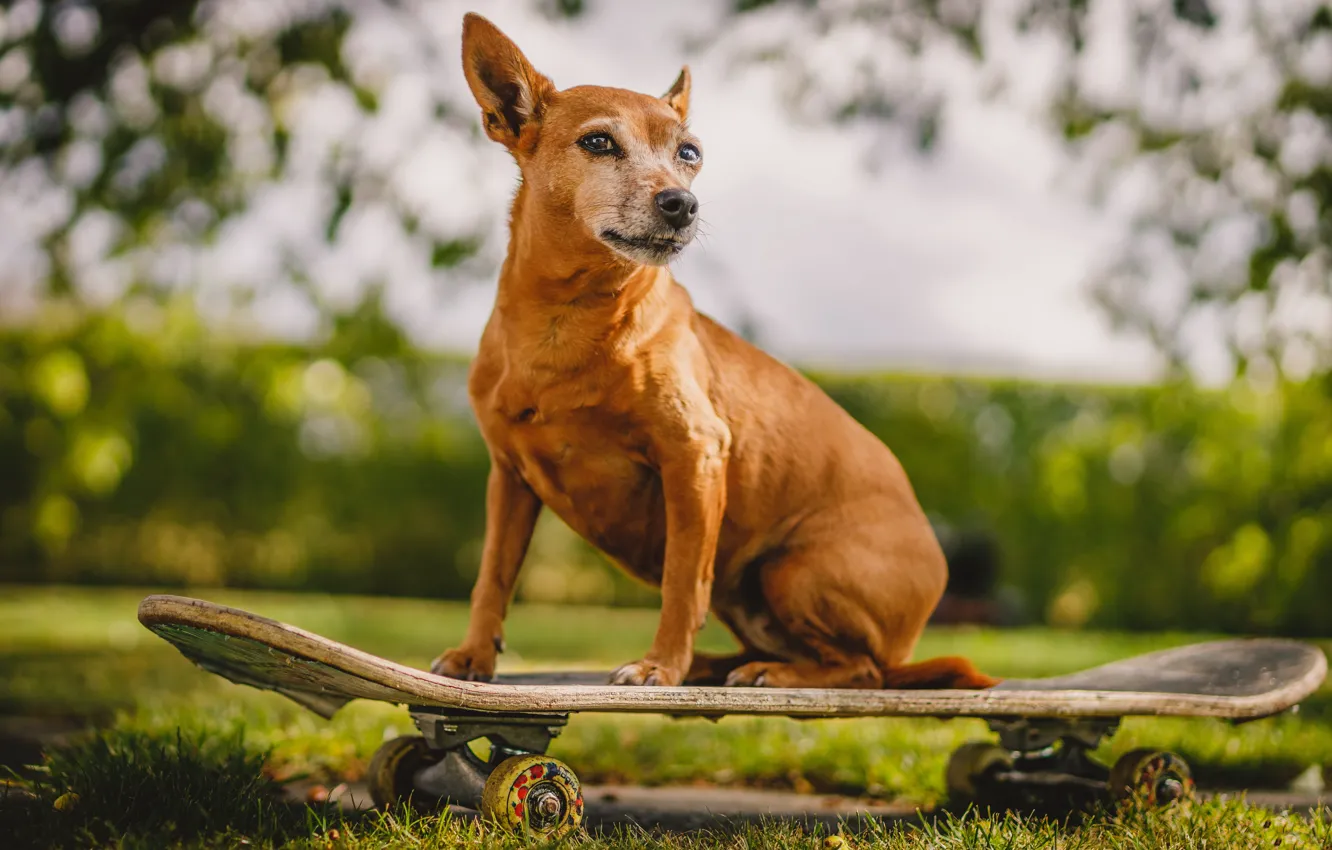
[
  {"x": 139, "y": 449},
  {"x": 1152, "y": 507},
  {"x": 154, "y": 455}
]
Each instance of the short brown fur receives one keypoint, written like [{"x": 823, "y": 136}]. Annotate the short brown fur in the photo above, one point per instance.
[{"x": 694, "y": 460}]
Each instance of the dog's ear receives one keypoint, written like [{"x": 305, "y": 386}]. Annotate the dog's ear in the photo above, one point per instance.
[
  {"x": 678, "y": 97},
  {"x": 512, "y": 94}
]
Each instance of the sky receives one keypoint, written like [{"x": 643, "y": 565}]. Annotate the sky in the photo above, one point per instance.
[{"x": 971, "y": 260}]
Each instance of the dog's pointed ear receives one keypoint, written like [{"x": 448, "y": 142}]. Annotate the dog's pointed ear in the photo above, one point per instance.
[
  {"x": 512, "y": 94},
  {"x": 678, "y": 97}
]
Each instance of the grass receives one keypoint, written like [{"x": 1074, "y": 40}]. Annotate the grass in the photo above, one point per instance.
[
  {"x": 140, "y": 790},
  {"x": 172, "y": 732},
  {"x": 153, "y": 787}
]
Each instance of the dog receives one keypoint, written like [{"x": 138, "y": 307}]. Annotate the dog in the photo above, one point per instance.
[{"x": 695, "y": 461}]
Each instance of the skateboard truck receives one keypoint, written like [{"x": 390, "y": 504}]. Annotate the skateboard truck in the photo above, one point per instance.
[
  {"x": 447, "y": 729},
  {"x": 1036, "y": 734},
  {"x": 460, "y": 775},
  {"x": 1045, "y": 763},
  {"x": 517, "y": 782}
]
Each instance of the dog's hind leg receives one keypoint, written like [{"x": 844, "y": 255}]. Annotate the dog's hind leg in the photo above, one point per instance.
[
  {"x": 859, "y": 672},
  {"x": 948, "y": 672},
  {"x": 821, "y": 634},
  {"x": 847, "y": 610},
  {"x": 943, "y": 673}
]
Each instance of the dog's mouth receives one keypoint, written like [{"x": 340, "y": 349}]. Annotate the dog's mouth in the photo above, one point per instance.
[{"x": 660, "y": 246}]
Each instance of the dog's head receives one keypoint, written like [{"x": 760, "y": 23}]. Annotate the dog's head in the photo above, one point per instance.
[{"x": 616, "y": 162}]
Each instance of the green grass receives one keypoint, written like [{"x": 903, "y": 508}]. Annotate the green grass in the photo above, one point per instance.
[
  {"x": 131, "y": 789},
  {"x": 80, "y": 653},
  {"x": 152, "y": 787}
]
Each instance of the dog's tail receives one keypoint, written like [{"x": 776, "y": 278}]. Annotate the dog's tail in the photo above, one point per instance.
[{"x": 948, "y": 672}]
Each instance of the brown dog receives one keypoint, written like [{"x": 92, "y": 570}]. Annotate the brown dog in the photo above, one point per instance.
[{"x": 694, "y": 460}]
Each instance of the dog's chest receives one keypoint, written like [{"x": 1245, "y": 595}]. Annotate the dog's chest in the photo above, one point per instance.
[
  {"x": 579, "y": 458},
  {"x": 585, "y": 459}
]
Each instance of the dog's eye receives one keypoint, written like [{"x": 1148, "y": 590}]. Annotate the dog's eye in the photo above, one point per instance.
[
  {"x": 689, "y": 153},
  {"x": 598, "y": 143}
]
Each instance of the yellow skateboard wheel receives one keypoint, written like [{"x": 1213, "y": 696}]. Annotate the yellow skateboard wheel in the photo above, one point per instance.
[
  {"x": 534, "y": 795},
  {"x": 1157, "y": 778},
  {"x": 392, "y": 767}
]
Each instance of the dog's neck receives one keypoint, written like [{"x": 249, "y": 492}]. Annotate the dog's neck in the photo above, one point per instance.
[{"x": 565, "y": 298}]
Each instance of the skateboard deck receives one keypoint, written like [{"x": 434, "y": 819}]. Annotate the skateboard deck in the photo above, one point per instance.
[{"x": 1236, "y": 679}]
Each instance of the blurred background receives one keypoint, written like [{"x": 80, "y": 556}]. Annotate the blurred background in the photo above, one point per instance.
[{"x": 1069, "y": 259}]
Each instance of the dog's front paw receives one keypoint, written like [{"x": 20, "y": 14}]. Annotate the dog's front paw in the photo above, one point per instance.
[
  {"x": 466, "y": 664},
  {"x": 646, "y": 673}
]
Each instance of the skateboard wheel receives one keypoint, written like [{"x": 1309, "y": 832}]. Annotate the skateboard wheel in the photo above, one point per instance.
[
  {"x": 534, "y": 795},
  {"x": 970, "y": 763},
  {"x": 392, "y": 767},
  {"x": 1158, "y": 778}
]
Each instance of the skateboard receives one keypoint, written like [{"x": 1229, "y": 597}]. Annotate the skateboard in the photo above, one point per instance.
[{"x": 1046, "y": 727}]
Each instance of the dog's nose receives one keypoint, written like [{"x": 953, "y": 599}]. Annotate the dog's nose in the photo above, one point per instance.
[{"x": 678, "y": 206}]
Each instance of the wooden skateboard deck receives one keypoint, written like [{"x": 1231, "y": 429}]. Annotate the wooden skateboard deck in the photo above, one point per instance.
[{"x": 1237, "y": 679}]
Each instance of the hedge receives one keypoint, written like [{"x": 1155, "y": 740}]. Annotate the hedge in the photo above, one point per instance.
[{"x": 137, "y": 448}]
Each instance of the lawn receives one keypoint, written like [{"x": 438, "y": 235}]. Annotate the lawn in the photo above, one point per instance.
[{"x": 81, "y": 655}]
